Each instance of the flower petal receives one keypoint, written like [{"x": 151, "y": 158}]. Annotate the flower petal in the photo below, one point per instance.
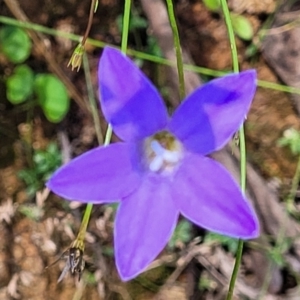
[
  {"x": 104, "y": 174},
  {"x": 144, "y": 223},
  {"x": 209, "y": 117},
  {"x": 129, "y": 101},
  {"x": 207, "y": 195}
]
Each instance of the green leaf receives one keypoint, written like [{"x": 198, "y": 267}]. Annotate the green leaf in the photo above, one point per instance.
[
  {"x": 44, "y": 163},
  {"x": 291, "y": 138},
  {"x": 181, "y": 235},
  {"x": 230, "y": 243},
  {"x": 212, "y": 5},
  {"x": 251, "y": 50},
  {"x": 15, "y": 43},
  {"x": 31, "y": 211},
  {"x": 52, "y": 97},
  {"x": 242, "y": 27},
  {"x": 47, "y": 161},
  {"x": 153, "y": 47},
  {"x": 19, "y": 86}
]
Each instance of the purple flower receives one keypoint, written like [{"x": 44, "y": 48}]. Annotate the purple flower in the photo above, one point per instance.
[{"x": 160, "y": 170}]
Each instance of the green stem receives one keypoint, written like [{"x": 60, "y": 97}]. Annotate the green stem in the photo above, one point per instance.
[
  {"x": 125, "y": 31},
  {"x": 92, "y": 100},
  {"x": 108, "y": 135},
  {"x": 142, "y": 55},
  {"x": 278, "y": 87},
  {"x": 294, "y": 187},
  {"x": 88, "y": 210},
  {"x": 242, "y": 143},
  {"x": 234, "y": 54},
  {"x": 124, "y": 43},
  {"x": 177, "y": 48},
  {"x": 235, "y": 63},
  {"x": 84, "y": 222},
  {"x": 235, "y": 270}
]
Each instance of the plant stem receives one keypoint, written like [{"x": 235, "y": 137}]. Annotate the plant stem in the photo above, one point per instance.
[
  {"x": 124, "y": 43},
  {"x": 125, "y": 30},
  {"x": 235, "y": 63},
  {"x": 177, "y": 48},
  {"x": 87, "y": 213},
  {"x": 234, "y": 54},
  {"x": 92, "y": 100},
  {"x": 142, "y": 55},
  {"x": 79, "y": 242},
  {"x": 90, "y": 21},
  {"x": 294, "y": 187}
]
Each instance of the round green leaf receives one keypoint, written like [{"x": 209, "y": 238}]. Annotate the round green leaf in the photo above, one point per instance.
[
  {"x": 52, "y": 97},
  {"x": 212, "y": 5},
  {"x": 19, "y": 85},
  {"x": 15, "y": 43},
  {"x": 242, "y": 27}
]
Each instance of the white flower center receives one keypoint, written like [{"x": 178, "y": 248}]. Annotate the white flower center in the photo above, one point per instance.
[{"x": 163, "y": 152}]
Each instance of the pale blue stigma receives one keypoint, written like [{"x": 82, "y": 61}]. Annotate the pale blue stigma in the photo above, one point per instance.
[{"x": 162, "y": 157}]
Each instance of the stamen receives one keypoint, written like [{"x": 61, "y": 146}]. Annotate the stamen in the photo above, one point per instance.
[
  {"x": 156, "y": 164},
  {"x": 156, "y": 147},
  {"x": 171, "y": 156},
  {"x": 163, "y": 152}
]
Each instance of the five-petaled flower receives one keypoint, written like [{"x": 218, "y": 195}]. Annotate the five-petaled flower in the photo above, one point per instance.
[{"x": 160, "y": 169}]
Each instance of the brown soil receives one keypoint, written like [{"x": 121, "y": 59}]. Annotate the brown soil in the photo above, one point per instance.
[{"x": 29, "y": 245}]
